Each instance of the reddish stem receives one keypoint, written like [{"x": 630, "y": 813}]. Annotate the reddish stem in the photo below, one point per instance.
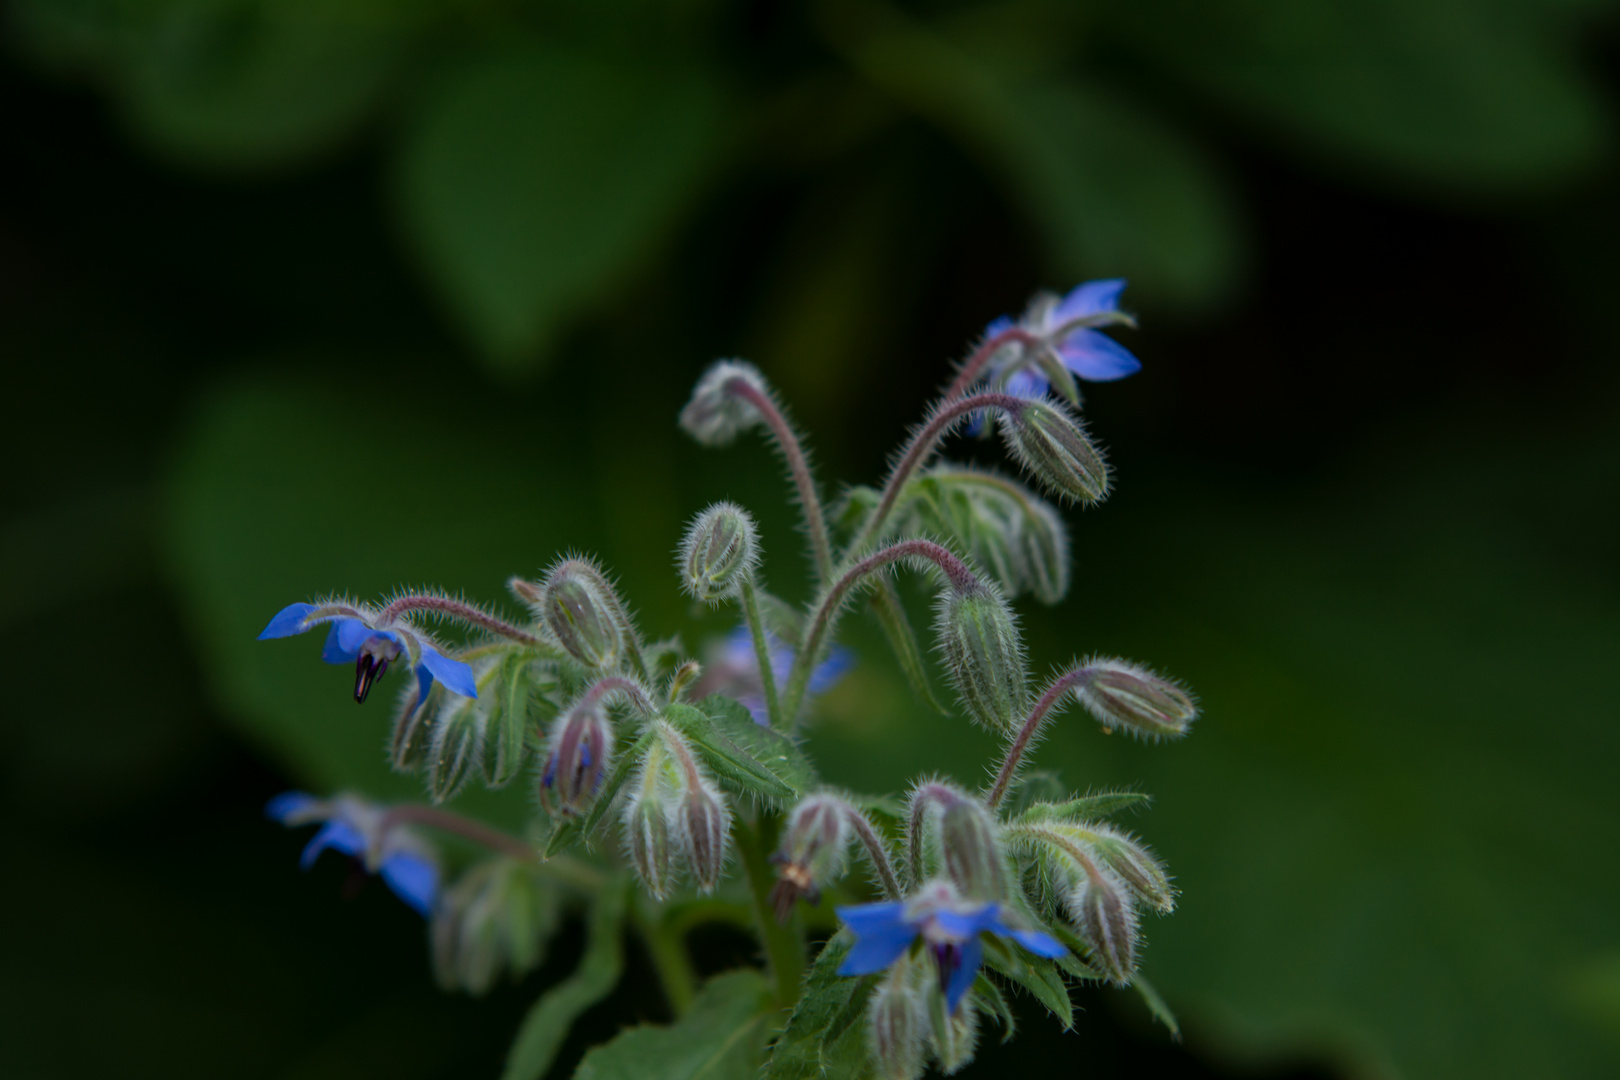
[
  {"x": 1026, "y": 734},
  {"x": 455, "y": 609}
]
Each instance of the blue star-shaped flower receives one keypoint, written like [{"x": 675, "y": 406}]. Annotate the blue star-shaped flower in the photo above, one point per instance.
[
  {"x": 738, "y": 661},
  {"x": 1066, "y": 326},
  {"x": 353, "y": 639},
  {"x": 949, "y": 925},
  {"x": 356, "y": 828}
]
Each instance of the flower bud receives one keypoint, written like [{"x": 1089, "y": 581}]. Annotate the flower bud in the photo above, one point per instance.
[
  {"x": 971, "y": 850},
  {"x": 719, "y": 552},
  {"x": 1137, "y": 867},
  {"x": 717, "y": 414},
  {"x": 979, "y": 638},
  {"x": 705, "y": 826},
  {"x": 1107, "y": 923},
  {"x": 1122, "y": 694},
  {"x": 496, "y": 918},
  {"x": 647, "y": 841},
  {"x": 897, "y": 1018},
  {"x": 457, "y": 745},
  {"x": 1054, "y": 447},
  {"x": 1045, "y": 547},
  {"x": 955, "y": 1035},
  {"x": 581, "y": 743},
  {"x": 413, "y": 731},
  {"x": 581, "y": 610},
  {"x": 812, "y": 852}
]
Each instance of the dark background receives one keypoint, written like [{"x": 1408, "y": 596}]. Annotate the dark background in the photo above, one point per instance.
[{"x": 297, "y": 298}]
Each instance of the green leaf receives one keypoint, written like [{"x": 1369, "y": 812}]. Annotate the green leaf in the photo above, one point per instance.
[
  {"x": 537, "y": 176},
  {"x": 1103, "y": 804},
  {"x": 720, "y": 1037},
  {"x": 761, "y": 761},
  {"x": 1156, "y": 1005},
  {"x": 885, "y": 602},
  {"x": 1036, "y": 974},
  {"x": 826, "y": 1035},
  {"x": 548, "y": 1022},
  {"x": 989, "y": 993},
  {"x": 566, "y": 831}
]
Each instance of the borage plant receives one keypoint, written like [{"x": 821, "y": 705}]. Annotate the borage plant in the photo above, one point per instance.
[{"x": 691, "y": 779}]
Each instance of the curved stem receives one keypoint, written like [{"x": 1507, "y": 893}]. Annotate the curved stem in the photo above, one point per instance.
[
  {"x": 876, "y": 852},
  {"x": 921, "y": 444},
  {"x": 974, "y": 365},
  {"x": 561, "y": 867},
  {"x": 925, "y": 795},
  {"x": 601, "y": 688},
  {"x": 454, "y": 609},
  {"x": 787, "y": 440},
  {"x": 832, "y": 601},
  {"x": 784, "y": 943},
  {"x": 762, "y": 651},
  {"x": 1027, "y": 734}
]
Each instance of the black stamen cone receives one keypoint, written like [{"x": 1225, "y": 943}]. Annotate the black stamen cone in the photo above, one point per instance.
[{"x": 367, "y": 670}]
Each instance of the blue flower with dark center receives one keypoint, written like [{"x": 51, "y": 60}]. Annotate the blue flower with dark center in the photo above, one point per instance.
[
  {"x": 360, "y": 829},
  {"x": 355, "y": 639},
  {"x": 736, "y": 667},
  {"x": 947, "y": 924}
]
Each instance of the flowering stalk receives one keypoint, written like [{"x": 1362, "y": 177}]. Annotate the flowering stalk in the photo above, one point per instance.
[
  {"x": 561, "y": 867},
  {"x": 1028, "y": 733},
  {"x": 974, "y": 366},
  {"x": 787, "y": 440},
  {"x": 784, "y": 943},
  {"x": 762, "y": 649},
  {"x": 453, "y": 609}
]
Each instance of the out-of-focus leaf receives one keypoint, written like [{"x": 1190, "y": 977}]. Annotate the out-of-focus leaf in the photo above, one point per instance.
[
  {"x": 1037, "y": 974},
  {"x": 825, "y": 1036},
  {"x": 1156, "y": 1005},
  {"x": 238, "y": 83},
  {"x": 535, "y": 176},
  {"x": 547, "y": 1024},
  {"x": 1451, "y": 92},
  {"x": 777, "y": 754},
  {"x": 719, "y": 1038}
]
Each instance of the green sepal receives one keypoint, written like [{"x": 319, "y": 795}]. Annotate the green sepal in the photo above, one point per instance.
[
  {"x": 548, "y": 1022},
  {"x": 826, "y": 1035},
  {"x": 1095, "y": 807},
  {"x": 885, "y": 602},
  {"x": 991, "y": 996},
  {"x": 721, "y": 1037},
  {"x": 568, "y": 830},
  {"x": 1074, "y": 961},
  {"x": 1036, "y": 974},
  {"x": 1156, "y": 1005}
]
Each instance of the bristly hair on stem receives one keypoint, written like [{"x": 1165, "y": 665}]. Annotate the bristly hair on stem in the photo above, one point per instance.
[
  {"x": 438, "y": 604},
  {"x": 790, "y": 445}
]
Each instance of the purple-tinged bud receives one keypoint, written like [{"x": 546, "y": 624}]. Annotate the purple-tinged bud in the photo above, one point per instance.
[
  {"x": 647, "y": 842},
  {"x": 581, "y": 744},
  {"x": 954, "y": 1035},
  {"x": 972, "y": 850},
  {"x": 717, "y": 413},
  {"x": 705, "y": 829},
  {"x": 897, "y": 1023},
  {"x": 1121, "y": 694},
  {"x": 978, "y": 636},
  {"x": 1106, "y": 920},
  {"x": 719, "y": 552},
  {"x": 812, "y": 852},
  {"x": 1054, "y": 448},
  {"x": 1130, "y": 861},
  {"x": 579, "y": 607},
  {"x": 372, "y": 663}
]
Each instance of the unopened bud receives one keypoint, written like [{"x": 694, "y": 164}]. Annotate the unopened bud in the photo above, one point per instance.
[
  {"x": 717, "y": 413},
  {"x": 458, "y": 743},
  {"x": 413, "y": 731},
  {"x": 647, "y": 841},
  {"x": 979, "y": 638},
  {"x": 580, "y": 609},
  {"x": 1054, "y": 447},
  {"x": 972, "y": 851},
  {"x": 496, "y": 918},
  {"x": 719, "y": 552},
  {"x": 955, "y": 1035},
  {"x": 1122, "y": 694},
  {"x": 1045, "y": 544},
  {"x": 897, "y": 1018},
  {"x": 1137, "y": 867},
  {"x": 1106, "y": 921},
  {"x": 581, "y": 743},
  {"x": 812, "y": 851},
  {"x": 705, "y": 826}
]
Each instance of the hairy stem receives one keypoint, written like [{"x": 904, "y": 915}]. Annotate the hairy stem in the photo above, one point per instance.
[
  {"x": 1027, "y": 734},
  {"x": 974, "y": 366},
  {"x": 876, "y": 852},
  {"x": 454, "y": 609},
  {"x": 561, "y": 867},
  {"x": 601, "y": 688},
  {"x": 762, "y": 651},
  {"x": 787, "y": 440},
  {"x": 784, "y": 944},
  {"x": 832, "y": 602},
  {"x": 921, "y": 799}
]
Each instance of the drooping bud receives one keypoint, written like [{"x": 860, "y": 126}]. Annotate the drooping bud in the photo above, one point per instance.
[
  {"x": 897, "y": 1022},
  {"x": 1106, "y": 921},
  {"x": 580, "y": 608},
  {"x": 978, "y": 636},
  {"x": 581, "y": 744},
  {"x": 457, "y": 745},
  {"x": 719, "y": 552},
  {"x": 1121, "y": 694},
  {"x": 496, "y": 918},
  {"x": 972, "y": 850},
  {"x": 647, "y": 842},
  {"x": 718, "y": 412},
  {"x": 812, "y": 852},
  {"x": 1137, "y": 867},
  {"x": 413, "y": 731},
  {"x": 1045, "y": 543},
  {"x": 1054, "y": 447},
  {"x": 954, "y": 1035},
  {"x": 705, "y": 827}
]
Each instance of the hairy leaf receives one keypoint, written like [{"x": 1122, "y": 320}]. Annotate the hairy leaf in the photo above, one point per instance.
[
  {"x": 719, "y": 1038},
  {"x": 826, "y": 1035}
]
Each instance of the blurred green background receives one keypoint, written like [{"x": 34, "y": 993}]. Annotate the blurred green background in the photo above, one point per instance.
[{"x": 300, "y": 295}]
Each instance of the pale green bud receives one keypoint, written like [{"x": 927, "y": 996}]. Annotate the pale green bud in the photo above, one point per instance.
[
  {"x": 1106, "y": 921},
  {"x": 647, "y": 842},
  {"x": 978, "y": 636},
  {"x": 496, "y": 918},
  {"x": 972, "y": 850},
  {"x": 1126, "y": 695},
  {"x": 1137, "y": 867},
  {"x": 814, "y": 843},
  {"x": 955, "y": 1035},
  {"x": 705, "y": 830},
  {"x": 719, "y": 552},
  {"x": 898, "y": 1022},
  {"x": 718, "y": 412},
  {"x": 1053, "y": 445},
  {"x": 457, "y": 745},
  {"x": 579, "y": 607}
]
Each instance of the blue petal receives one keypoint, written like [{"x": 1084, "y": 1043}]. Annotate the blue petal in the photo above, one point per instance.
[
  {"x": 1037, "y": 942},
  {"x": 337, "y": 835},
  {"x": 998, "y": 326},
  {"x": 832, "y": 669},
  {"x": 966, "y": 972},
  {"x": 287, "y": 622},
  {"x": 456, "y": 676},
  {"x": 1088, "y": 298},
  {"x": 1027, "y": 383},
  {"x": 968, "y": 924},
  {"x": 414, "y": 880},
  {"x": 289, "y": 804},
  {"x": 881, "y": 935},
  {"x": 757, "y": 709},
  {"x": 1096, "y": 357},
  {"x": 343, "y": 641}
]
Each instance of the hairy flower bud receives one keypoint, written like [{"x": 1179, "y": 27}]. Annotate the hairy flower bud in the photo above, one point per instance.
[
  {"x": 1137, "y": 867},
  {"x": 496, "y": 918},
  {"x": 705, "y": 827},
  {"x": 1054, "y": 447},
  {"x": 1121, "y": 694},
  {"x": 580, "y": 608},
  {"x": 719, "y": 552},
  {"x": 955, "y": 1035},
  {"x": 457, "y": 744},
  {"x": 580, "y": 746},
  {"x": 1106, "y": 921},
  {"x": 812, "y": 851},
  {"x": 897, "y": 1018},
  {"x": 972, "y": 850},
  {"x": 717, "y": 413},
  {"x": 978, "y": 636},
  {"x": 413, "y": 731},
  {"x": 647, "y": 842}
]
